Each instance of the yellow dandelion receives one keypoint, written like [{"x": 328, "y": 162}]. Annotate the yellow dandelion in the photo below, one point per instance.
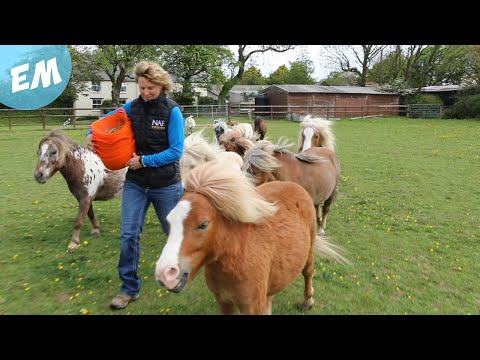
[
  {"x": 84, "y": 311},
  {"x": 14, "y": 257},
  {"x": 27, "y": 288},
  {"x": 145, "y": 277},
  {"x": 57, "y": 279},
  {"x": 85, "y": 242}
]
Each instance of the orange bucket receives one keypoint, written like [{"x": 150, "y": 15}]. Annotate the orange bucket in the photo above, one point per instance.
[{"x": 113, "y": 139}]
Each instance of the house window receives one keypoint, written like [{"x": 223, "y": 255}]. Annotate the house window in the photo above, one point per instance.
[
  {"x": 123, "y": 89},
  {"x": 122, "y": 101},
  {"x": 96, "y": 87},
  {"x": 96, "y": 103}
]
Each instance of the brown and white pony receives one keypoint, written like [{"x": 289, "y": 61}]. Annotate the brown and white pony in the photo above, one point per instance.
[
  {"x": 315, "y": 132},
  {"x": 253, "y": 242},
  {"x": 234, "y": 141},
  {"x": 316, "y": 169},
  {"x": 87, "y": 177}
]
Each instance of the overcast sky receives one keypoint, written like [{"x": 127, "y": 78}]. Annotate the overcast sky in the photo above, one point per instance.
[{"x": 269, "y": 62}]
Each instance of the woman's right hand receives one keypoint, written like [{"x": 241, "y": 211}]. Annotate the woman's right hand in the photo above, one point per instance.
[{"x": 89, "y": 141}]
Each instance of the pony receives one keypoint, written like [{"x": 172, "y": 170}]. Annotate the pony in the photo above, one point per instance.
[
  {"x": 315, "y": 132},
  {"x": 245, "y": 129},
  {"x": 190, "y": 124},
  {"x": 235, "y": 142},
  {"x": 87, "y": 177},
  {"x": 253, "y": 242},
  {"x": 316, "y": 169},
  {"x": 220, "y": 127},
  {"x": 260, "y": 127},
  {"x": 197, "y": 151}
]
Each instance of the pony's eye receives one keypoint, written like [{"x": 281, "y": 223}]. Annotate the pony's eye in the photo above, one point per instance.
[
  {"x": 203, "y": 225},
  {"x": 54, "y": 152}
]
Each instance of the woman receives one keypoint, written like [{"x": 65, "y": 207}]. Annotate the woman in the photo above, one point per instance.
[{"x": 153, "y": 175}]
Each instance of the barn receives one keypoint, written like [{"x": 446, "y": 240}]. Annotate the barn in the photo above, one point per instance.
[{"x": 293, "y": 101}]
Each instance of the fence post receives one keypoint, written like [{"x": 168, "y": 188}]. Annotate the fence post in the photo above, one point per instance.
[
  {"x": 9, "y": 120},
  {"x": 43, "y": 118}
]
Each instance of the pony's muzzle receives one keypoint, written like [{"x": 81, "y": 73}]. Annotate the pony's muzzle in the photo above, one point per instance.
[
  {"x": 179, "y": 286},
  {"x": 40, "y": 177}
]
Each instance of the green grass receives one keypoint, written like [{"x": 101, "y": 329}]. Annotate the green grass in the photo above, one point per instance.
[{"x": 407, "y": 217}]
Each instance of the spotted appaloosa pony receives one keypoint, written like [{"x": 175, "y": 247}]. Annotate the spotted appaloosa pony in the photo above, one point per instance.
[
  {"x": 197, "y": 151},
  {"x": 260, "y": 127},
  {"x": 86, "y": 176},
  {"x": 253, "y": 242},
  {"x": 315, "y": 132},
  {"x": 316, "y": 169}
]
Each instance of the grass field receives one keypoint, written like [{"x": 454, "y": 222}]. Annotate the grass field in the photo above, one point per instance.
[{"x": 407, "y": 217}]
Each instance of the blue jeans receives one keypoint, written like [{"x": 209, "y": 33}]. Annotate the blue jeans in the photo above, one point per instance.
[{"x": 135, "y": 202}]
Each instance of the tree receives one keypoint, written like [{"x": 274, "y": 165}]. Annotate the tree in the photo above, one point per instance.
[
  {"x": 253, "y": 76},
  {"x": 340, "y": 78},
  {"x": 279, "y": 76},
  {"x": 408, "y": 67},
  {"x": 237, "y": 68},
  {"x": 356, "y": 59},
  {"x": 301, "y": 71},
  {"x": 191, "y": 64},
  {"x": 117, "y": 61},
  {"x": 83, "y": 71}
]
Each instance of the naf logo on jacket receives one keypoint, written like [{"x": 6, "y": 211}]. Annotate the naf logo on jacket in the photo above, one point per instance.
[{"x": 158, "y": 124}]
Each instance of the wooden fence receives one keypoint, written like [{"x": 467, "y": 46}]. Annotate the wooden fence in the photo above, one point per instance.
[{"x": 67, "y": 117}]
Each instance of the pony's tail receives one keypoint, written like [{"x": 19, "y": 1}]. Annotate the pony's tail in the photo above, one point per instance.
[{"x": 325, "y": 248}]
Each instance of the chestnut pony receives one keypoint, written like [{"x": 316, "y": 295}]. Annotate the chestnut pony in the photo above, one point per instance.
[
  {"x": 86, "y": 176},
  {"x": 316, "y": 169},
  {"x": 260, "y": 127},
  {"x": 315, "y": 132},
  {"x": 253, "y": 242}
]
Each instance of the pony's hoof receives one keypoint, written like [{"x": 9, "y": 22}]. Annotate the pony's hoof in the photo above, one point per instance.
[
  {"x": 305, "y": 307},
  {"x": 95, "y": 232},
  {"x": 72, "y": 248},
  {"x": 321, "y": 231}
]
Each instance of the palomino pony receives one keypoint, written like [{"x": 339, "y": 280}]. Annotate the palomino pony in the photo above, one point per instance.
[
  {"x": 86, "y": 176},
  {"x": 253, "y": 242},
  {"x": 260, "y": 127},
  {"x": 316, "y": 169},
  {"x": 197, "y": 151},
  {"x": 315, "y": 132}
]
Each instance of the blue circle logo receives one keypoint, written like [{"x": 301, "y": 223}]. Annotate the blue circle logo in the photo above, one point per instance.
[{"x": 32, "y": 76}]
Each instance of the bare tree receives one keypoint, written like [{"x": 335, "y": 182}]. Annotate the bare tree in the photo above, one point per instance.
[
  {"x": 244, "y": 53},
  {"x": 356, "y": 59}
]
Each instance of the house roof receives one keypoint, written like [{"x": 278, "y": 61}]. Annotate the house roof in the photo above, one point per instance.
[
  {"x": 327, "y": 89},
  {"x": 441, "y": 88}
]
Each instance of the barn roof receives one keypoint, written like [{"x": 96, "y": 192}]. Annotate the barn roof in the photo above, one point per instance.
[{"x": 327, "y": 89}]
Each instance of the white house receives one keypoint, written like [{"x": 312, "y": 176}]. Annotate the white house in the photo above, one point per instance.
[
  {"x": 98, "y": 91},
  {"x": 102, "y": 90}
]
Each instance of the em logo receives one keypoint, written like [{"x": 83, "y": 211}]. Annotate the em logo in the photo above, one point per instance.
[{"x": 32, "y": 76}]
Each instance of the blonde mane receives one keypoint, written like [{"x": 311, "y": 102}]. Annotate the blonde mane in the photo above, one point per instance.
[
  {"x": 320, "y": 125},
  {"x": 197, "y": 146},
  {"x": 230, "y": 191}
]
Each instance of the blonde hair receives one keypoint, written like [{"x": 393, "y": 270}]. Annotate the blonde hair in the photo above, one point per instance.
[{"x": 154, "y": 73}]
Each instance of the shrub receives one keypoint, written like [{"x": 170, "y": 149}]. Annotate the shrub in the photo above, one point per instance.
[{"x": 467, "y": 107}]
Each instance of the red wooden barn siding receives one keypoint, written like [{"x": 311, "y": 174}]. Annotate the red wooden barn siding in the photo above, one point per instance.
[{"x": 337, "y": 105}]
